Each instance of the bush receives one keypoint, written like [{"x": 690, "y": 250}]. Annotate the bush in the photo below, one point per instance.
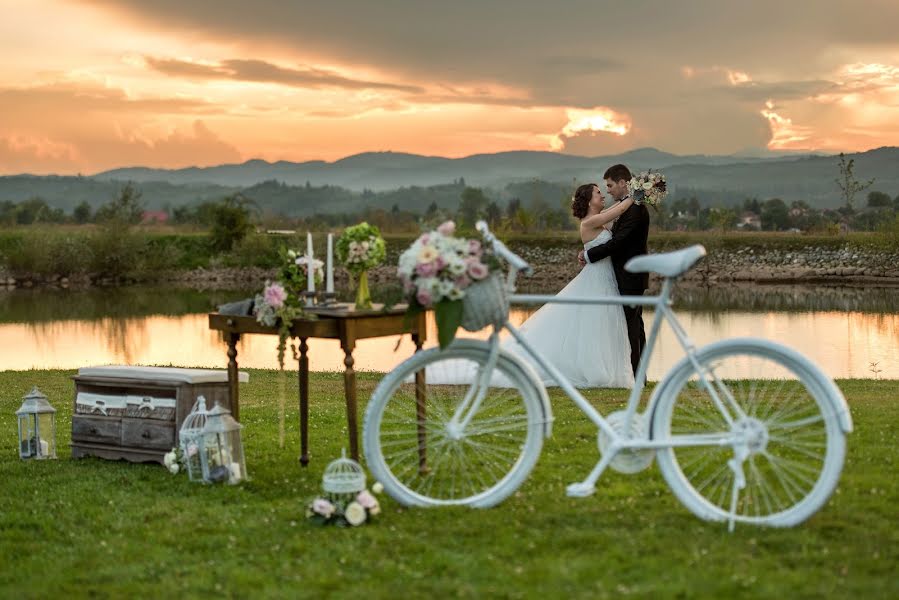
[
  {"x": 116, "y": 252},
  {"x": 256, "y": 250},
  {"x": 230, "y": 223},
  {"x": 69, "y": 255}
]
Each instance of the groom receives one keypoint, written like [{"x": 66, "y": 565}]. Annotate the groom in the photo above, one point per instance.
[{"x": 629, "y": 235}]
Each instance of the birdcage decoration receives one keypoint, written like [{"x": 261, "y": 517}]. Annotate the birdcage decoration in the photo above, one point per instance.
[
  {"x": 37, "y": 427},
  {"x": 343, "y": 476},
  {"x": 189, "y": 438},
  {"x": 221, "y": 449}
]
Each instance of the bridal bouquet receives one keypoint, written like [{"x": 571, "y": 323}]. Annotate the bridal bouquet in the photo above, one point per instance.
[
  {"x": 436, "y": 270},
  {"x": 361, "y": 248},
  {"x": 648, "y": 188}
]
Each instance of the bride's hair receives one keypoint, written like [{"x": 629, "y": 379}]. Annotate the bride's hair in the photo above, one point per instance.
[{"x": 580, "y": 204}]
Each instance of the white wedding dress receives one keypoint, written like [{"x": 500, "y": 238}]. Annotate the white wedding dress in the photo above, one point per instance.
[{"x": 587, "y": 343}]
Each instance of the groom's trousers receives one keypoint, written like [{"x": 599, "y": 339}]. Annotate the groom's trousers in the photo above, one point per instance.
[{"x": 633, "y": 316}]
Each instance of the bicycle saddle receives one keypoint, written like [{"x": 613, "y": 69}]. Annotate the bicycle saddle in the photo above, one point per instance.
[{"x": 667, "y": 264}]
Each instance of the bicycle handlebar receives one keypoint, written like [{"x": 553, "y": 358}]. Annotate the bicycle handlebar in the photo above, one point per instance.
[{"x": 502, "y": 251}]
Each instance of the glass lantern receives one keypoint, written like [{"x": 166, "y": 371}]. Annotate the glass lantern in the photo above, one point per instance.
[
  {"x": 37, "y": 427},
  {"x": 189, "y": 438},
  {"x": 221, "y": 450}
]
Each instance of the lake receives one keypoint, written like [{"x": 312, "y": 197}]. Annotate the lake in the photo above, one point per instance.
[{"x": 844, "y": 330}]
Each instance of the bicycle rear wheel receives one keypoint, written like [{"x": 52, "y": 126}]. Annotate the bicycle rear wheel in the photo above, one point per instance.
[
  {"x": 422, "y": 458},
  {"x": 791, "y": 447}
]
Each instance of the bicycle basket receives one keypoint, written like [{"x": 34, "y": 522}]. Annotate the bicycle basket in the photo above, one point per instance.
[{"x": 485, "y": 303}]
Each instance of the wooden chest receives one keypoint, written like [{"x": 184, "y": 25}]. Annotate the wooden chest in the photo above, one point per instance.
[{"x": 135, "y": 412}]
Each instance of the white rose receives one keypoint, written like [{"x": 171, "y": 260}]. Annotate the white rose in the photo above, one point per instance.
[
  {"x": 354, "y": 514},
  {"x": 169, "y": 459},
  {"x": 647, "y": 185},
  {"x": 456, "y": 294},
  {"x": 375, "y": 510},
  {"x": 377, "y": 488},
  {"x": 174, "y": 468},
  {"x": 291, "y": 254}
]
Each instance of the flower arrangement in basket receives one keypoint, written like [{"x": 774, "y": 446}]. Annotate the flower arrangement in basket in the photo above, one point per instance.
[
  {"x": 361, "y": 248},
  {"x": 455, "y": 277},
  {"x": 648, "y": 188},
  {"x": 345, "y": 501}
]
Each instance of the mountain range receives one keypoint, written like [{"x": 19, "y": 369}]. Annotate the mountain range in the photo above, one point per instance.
[{"x": 713, "y": 179}]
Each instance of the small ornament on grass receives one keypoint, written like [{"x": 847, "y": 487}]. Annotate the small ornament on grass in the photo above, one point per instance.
[
  {"x": 345, "y": 502},
  {"x": 37, "y": 427}
]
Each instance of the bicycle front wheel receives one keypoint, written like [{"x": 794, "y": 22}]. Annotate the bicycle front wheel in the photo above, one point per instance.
[
  {"x": 416, "y": 449},
  {"x": 787, "y": 446}
]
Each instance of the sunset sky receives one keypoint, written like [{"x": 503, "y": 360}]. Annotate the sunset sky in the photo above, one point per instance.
[{"x": 89, "y": 85}]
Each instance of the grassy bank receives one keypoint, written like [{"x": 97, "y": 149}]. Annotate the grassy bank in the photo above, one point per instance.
[
  {"x": 111, "y": 529},
  {"x": 47, "y": 252}
]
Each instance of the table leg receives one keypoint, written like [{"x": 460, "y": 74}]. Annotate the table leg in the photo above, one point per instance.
[
  {"x": 233, "y": 377},
  {"x": 304, "y": 402},
  {"x": 420, "y": 412},
  {"x": 349, "y": 385}
]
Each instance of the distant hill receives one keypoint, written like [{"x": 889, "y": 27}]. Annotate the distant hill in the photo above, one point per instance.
[{"x": 369, "y": 178}]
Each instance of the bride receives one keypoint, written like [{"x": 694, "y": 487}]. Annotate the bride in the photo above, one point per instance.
[{"x": 587, "y": 343}]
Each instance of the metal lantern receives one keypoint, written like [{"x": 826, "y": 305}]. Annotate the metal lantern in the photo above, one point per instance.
[
  {"x": 37, "y": 427},
  {"x": 343, "y": 476},
  {"x": 189, "y": 438},
  {"x": 221, "y": 450}
]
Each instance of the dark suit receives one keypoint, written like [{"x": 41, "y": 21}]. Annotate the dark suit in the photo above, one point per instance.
[{"x": 629, "y": 237}]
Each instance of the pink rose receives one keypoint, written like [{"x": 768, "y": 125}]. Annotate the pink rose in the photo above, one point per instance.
[
  {"x": 447, "y": 228},
  {"x": 463, "y": 282},
  {"x": 474, "y": 247},
  {"x": 426, "y": 270},
  {"x": 424, "y": 238},
  {"x": 478, "y": 270},
  {"x": 424, "y": 297},
  {"x": 366, "y": 499},
  {"x": 322, "y": 507},
  {"x": 274, "y": 295},
  {"x": 439, "y": 263}
]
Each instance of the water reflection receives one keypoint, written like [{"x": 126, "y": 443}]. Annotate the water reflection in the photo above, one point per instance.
[{"x": 843, "y": 343}]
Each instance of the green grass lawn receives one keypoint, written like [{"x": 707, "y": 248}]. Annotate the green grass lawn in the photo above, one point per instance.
[{"x": 113, "y": 529}]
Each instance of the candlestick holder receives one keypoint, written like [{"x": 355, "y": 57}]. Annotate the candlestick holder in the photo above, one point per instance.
[
  {"x": 329, "y": 299},
  {"x": 310, "y": 299}
]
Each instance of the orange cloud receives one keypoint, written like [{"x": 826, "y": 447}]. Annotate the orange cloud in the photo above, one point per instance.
[{"x": 598, "y": 119}]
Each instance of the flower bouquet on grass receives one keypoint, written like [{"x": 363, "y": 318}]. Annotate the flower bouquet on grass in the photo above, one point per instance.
[
  {"x": 437, "y": 270},
  {"x": 338, "y": 509},
  {"x": 648, "y": 188},
  {"x": 361, "y": 248}
]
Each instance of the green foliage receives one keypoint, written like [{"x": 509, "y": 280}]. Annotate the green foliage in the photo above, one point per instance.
[
  {"x": 360, "y": 248},
  {"x": 849, "y": 185},
  {"x": 126, "y": 208},
  {"x": 82, "y": 213},
  {"x": 117, "y": 252},
  {"x": 230, "y": 222},
  {"x": 775, "y": 215},
  {"x": 448, "y": 315},
  {"x": 254, "y": 250},
  {"x": 879, "y": 200}
]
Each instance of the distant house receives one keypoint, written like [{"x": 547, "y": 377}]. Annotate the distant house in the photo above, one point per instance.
[
  {"x": 154, "y": 216},
  {"x": 749, "y": 220}
]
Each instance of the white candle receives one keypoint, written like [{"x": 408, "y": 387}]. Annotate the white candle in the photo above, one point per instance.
[
  {"x": 310, "y": 276},
  {"x": 236, "y": 476},
  {"x": 45, "y": 448},
  {"x": 329, "y": 281}
]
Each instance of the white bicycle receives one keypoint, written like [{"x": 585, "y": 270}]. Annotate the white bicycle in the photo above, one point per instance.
[{"x": 745, "y": 430}]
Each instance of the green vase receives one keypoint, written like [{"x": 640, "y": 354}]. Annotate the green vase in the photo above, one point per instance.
[{"x": 363, "y": 296}]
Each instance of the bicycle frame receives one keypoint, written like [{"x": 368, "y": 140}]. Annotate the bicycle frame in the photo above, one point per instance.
[{"x": 663, "y": 312}]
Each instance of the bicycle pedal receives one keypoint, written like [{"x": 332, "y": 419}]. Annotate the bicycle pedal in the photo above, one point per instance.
[{"x": 580, "y": 490}]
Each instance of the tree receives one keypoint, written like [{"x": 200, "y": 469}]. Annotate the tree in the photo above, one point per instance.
[
  {"x": 848, "y": 184},
  {"x": 723, "y": 218},
  {"x": 471, "y": 206},
  {"x": 879, "y": 200},
  {"x": 896, "y": 203},
  {"x": 693, "y": 206},
  {"x": 512, "y": 208},
  {"x": 126, "y": 208},
  {"x": 775, "y": 215},
  {"x": 432, "y": 211},
  {"x": 82, "y": 213},
  {"x": 752, "y": 205},
  {"x": 230, "y": 222},
  {"x": 494, "y": 214}
]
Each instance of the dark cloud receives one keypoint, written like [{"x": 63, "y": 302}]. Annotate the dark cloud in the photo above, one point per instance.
[{"x": 265, "y": 72}]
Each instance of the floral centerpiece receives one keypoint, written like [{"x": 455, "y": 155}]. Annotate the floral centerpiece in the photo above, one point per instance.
[
  {"x": 339, "y": 510},
  {"x": 648, "y": 188},
  {"x": 437, "y": 269},
  {"x": 361, "y": 248}
]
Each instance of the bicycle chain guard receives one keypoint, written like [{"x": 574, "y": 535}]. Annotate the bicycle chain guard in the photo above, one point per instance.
[{"x": 627, "y": 461}]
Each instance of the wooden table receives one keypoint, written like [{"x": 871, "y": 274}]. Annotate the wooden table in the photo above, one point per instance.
[{"x": 341, "y": 322}]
